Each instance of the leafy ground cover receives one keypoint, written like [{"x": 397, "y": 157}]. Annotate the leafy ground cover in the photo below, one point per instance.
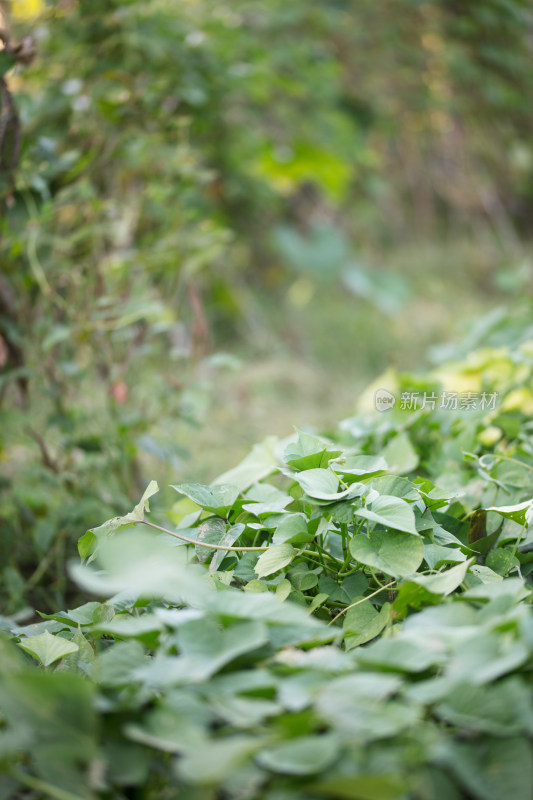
[
  {"x": 186, "y": 177},
  {"x": 341, "y": 616}
]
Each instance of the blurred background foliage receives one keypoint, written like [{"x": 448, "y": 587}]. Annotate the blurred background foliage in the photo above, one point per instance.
[{"x": 235, "y": 214}]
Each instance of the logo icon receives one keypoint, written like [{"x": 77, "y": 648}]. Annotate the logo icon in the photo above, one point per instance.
[{"x": 384, "y": 400}]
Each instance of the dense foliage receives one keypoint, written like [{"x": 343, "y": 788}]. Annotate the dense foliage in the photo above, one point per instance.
[
  {"x": 344, "y": 617},
  {"x": 163, "y": 145}
]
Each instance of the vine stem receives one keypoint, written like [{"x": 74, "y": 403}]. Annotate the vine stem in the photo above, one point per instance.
[
  {"x": 502, "y": 457},
  {"x": 221, "y": 546},
  {"x": 325, "y": 554},
  {"x": 343, "y": 483},
  {"x": 518, "y": 540},
  {"x": 364, "y": 599},
  {"x": 204, "y": 544}
]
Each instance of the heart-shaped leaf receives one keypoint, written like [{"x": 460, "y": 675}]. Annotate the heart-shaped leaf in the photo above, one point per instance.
[
  {"x": 521, "y": 512},
  {"x": 392, "y": 512},
  {"x": 308, "y": 452},
  {"x": 218, "y": 499},
  {"x": 392, "y": 552},
  {"x": 322, "y": 484},
  {"x": 47, "y": 648},
  {"x": 88, "y": 543},
  {"x": 274, "y": 559}
]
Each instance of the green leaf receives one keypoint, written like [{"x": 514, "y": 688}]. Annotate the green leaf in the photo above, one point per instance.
[
  {"x": 89, "y": 542},
  {"x": 512, "y": 474},
  {"x": 485, "y": 657},
  {"x": 308, "y": 452},
  {"x": 274, "y": 559},
  {"x": 358, "y": 686},
  {"x": 11, "y": 659},
  {"x": 360, "y": 467},
  {"x": 274, "y": 504},
  {"x": 283, "y": 589},
  {"x": 305, "y": 755},
  {"x": 400, "y": 454},
  {"x": 217, "y": 499},
  {"x": 501, "y": 561},
  {"x": 395, "y": 486},
  {"x": 205, "y": 649},
  {"x": 364, "y": 716},
  {"x": 75, "y": 662},
  {"x": 266, "y": 607},
  {"x": 83, "y": 615},
  {"x": 521, "y": 512},
  {"x": 444, "y": 582},
  {"x": 392, "y": 552},
  {"x": 317, "y": 601},
  {"x": 229, "y": 539},
  {"x": 166, "y": 730},
  {"x": 493, "y": 768},
  {"x": 137, "y": 515},
  {"x": 322, "y": 484},
  {"x": 433, "y": 497},
  {"x": 399, "y": 655},
  {"x": 244, "y": 712},
  {"x": 141, "y": 563},
  {"x": 363, "y": 786},
  {"x": 422, "y": 590},
  {"x": 47, "y": 648},
  {"x": 501, "y": 709},
  {"x": 256, "y": 466},
  {"x": 126, "y": 626},
  {"x": 44, "y": 788},
  {"x": 211, "y": 531},
  {"x": 265, "y": 493},
  {"x": 355, "y": 585},
  {"x": 211, "y": 648},
  {"x": 392, "y": 512},
  {"x": 302, "y": 578},
  {"x": 53, "y": 716},
  {"x": 293, "y": 528},
  {"x": 256, "y": 585},
  {"x": 508, "y": 587},
  {"x": 435, "y": 554},
  {"x": 116, "y": 666},
  {"x": 411, "y": 595},
  {"x": 479, "y": 572},
  {"x": 363, "y": 623},
  {"x": 213, "y": 762}
]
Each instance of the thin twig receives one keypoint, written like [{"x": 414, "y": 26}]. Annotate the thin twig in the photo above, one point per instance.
[
  {"x": 47, "y": 459},
  {"x": 358, "y": 603}
]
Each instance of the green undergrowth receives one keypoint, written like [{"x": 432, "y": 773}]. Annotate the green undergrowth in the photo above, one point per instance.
[{"x": 343, "y": 616}]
